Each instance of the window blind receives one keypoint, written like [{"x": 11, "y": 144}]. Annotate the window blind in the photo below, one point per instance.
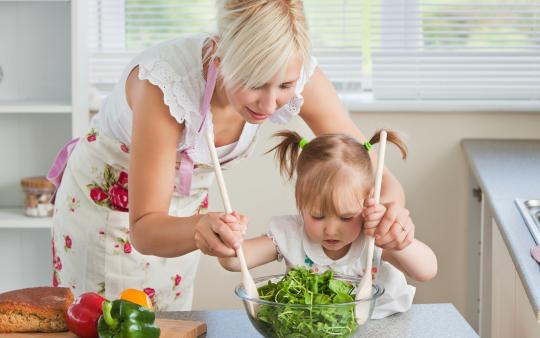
[
  {"x": 381, "y": 50},
  {"x": 121, "y": 28},
  {"x": 456, "y": 50}
]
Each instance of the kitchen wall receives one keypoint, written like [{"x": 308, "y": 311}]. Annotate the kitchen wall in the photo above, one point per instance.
[{"x": 435, "y": 179}]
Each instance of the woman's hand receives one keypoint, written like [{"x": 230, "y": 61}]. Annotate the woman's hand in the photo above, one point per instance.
[
  {"x": 389, "y": 223},
  {"x": 218, "y": 234}
]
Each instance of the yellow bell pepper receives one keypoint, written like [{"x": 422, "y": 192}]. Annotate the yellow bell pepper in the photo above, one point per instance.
[{"x": 137, "y": 297}]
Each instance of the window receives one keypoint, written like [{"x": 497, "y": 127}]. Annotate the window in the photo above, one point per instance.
[
  {"x": 456, "y": 50},
  {"x": 391, "y": 52}
]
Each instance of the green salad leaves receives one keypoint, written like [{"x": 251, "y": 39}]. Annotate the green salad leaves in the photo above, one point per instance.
[{"x": 301, "y": 286}]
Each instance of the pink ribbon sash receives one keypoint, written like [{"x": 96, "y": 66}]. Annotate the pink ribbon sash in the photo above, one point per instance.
[
  {"x": 185, "y": 172},
  {"x": 59, "y": 165}
]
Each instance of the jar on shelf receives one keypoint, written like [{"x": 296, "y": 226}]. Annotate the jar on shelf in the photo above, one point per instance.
[{"x": 39, "y": 192}]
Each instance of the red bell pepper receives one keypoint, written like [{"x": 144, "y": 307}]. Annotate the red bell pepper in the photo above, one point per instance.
[{"x": 82, "y": 316}]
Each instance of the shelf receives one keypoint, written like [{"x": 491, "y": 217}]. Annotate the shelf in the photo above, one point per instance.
[
  {"x": 34, "y": 107},
  {"x": 14, "y": 218}
]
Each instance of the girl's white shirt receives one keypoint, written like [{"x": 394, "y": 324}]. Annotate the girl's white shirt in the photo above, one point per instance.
[
  {"x": 293, "y": 244},
  {"x": 176, "y": 67}
]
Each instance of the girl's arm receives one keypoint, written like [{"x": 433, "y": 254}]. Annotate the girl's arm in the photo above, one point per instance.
[
  {"x": 257, "y": 251},
  {"x": 323, "y": 112},
  {"x": 417, "y": 261},
  {"x": 155, "y": 136}
]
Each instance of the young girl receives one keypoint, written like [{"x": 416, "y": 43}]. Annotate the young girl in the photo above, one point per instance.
[{"x": 334, "y": 182}]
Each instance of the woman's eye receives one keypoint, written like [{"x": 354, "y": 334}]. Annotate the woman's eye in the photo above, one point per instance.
[
  {"x": 287, "y": 85},
  {"x": 346, "y": 219},
  {"x": 318, "y": 218}
]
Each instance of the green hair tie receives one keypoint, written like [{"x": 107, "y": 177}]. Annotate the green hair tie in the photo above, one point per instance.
[
  {"x": 303, "y": 143},
  {"x": 367, "y": 146}
]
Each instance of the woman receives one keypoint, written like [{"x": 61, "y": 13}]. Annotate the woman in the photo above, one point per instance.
[{"x": 151, "y": 129}]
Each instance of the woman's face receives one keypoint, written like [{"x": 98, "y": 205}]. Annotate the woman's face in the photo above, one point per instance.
[{"x": 258, "y": 104}]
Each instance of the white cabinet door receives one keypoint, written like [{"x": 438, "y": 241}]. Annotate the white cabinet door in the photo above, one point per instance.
[
  {"x": 526, "y": 324},
  {"x": 512, "y": 314},
  {"x": 502, "y": 288}
]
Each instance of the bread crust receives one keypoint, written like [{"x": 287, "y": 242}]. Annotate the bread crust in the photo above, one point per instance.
[{"x": 39, "y": 309}]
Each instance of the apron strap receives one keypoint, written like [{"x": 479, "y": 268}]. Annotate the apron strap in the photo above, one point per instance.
[
  {"x": 59, "y": 165},
  {"x": 211, "y": 79},
  {"x": 185, "y": 171}
]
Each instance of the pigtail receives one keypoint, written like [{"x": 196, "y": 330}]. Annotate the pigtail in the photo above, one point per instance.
[
  {"x": 392, "y": 137},
  {"x": 287, "y": 151}
]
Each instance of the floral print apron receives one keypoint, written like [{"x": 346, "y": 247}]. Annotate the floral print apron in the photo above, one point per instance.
[{"x": 91, "y": 247}]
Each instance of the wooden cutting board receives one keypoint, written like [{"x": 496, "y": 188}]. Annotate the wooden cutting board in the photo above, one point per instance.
[{"x": 169, "y": 328}]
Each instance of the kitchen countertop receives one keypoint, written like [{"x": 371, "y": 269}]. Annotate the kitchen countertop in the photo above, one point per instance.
[
  {"x": 506, "y": 170},
  {"x": 423, "y": 320}
]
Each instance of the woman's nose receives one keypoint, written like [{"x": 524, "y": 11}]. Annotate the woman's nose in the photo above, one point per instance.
[{"x": 267, "y": 102}]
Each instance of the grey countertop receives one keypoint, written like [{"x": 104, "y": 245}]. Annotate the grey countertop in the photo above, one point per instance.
[
  {"x": 506, "y": 170},
  {"x": 422, "y": 321}
]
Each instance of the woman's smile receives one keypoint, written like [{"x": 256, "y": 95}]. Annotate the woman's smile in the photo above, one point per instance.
[{"x": 257, "y": 116}]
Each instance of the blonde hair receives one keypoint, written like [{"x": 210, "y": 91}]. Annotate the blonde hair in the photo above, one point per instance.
[
  {"x": 257, "y": 38},
  {"x": 329, "y": 169}
]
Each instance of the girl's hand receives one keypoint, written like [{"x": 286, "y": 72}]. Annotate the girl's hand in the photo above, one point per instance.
[
  {"x": 218, "y": 234},
  {"x": 390, "y": 224},
  {"x": 238, "y": 224},
  {"x": 372, "y": 215}
]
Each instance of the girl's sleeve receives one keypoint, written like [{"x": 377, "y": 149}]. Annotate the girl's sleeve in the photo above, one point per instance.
[
  {"x": 398, "y": 295},
  {"x": 285, "y": 232},
  {"x": 271, "y": 235},
  {"x": 292, "y": 108}
]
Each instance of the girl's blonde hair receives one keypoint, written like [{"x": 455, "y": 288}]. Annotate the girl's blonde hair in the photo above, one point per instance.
[
  {"x": 257, "y": 38},
  {"x": 331, "y": 170}
]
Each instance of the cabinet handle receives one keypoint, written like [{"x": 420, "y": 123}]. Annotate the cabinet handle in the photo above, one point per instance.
[{"x": 477, "y": 193}]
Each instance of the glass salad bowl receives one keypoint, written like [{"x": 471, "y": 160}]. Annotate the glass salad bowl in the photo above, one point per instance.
[{"x": 305, "y": 304}]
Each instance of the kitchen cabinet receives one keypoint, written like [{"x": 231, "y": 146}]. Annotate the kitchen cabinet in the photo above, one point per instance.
[
  {"x": 504, "y": 277},
  {"x": 503, "y": 307},
  {"x": 43, "y": 104},
  {"x": 511, "y": 312}
]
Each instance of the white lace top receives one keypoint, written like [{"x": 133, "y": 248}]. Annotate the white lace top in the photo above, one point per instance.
[
  {"x": 176, "y": 67},
  {"x": 297, "y": 249}
]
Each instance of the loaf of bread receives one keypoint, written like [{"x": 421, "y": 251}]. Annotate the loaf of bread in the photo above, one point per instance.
[{"x": 40, "y": 309}]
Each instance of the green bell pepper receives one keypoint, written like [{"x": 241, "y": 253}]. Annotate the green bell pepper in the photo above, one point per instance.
[{"x": 124, "y": 319}]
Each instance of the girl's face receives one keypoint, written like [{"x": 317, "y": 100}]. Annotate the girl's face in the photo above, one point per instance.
[
  {"x": 258, "y": 104},
  {"x": 334, "y": 233}
]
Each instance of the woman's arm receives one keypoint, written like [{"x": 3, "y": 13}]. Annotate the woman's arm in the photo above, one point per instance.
[
  {"x": 417, "y": 260},
  {"x": 400, "y": 248},
  {"x": 258, "y": 251},
  {"x": 155, "y": 136},
  {"x": 323, "y": 112}
]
